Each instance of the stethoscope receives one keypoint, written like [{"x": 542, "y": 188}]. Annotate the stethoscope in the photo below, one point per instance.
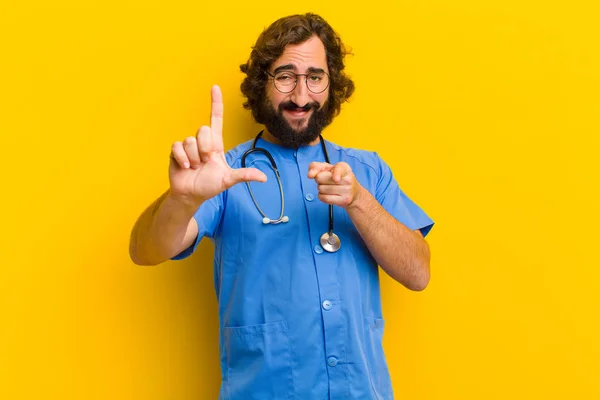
[{"x": 329, "y": 240}]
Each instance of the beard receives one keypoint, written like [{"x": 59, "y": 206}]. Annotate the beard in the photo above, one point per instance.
[{"x": 290, "y": 136}]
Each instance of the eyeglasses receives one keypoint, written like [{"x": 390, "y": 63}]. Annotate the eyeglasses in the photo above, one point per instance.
[{"x": 286, "y": 81}]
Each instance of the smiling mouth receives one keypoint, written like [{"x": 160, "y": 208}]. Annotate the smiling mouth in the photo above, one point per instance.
[{"x": 298, "y": 112}]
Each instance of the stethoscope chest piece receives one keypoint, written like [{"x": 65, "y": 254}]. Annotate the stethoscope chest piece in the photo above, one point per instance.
[{"x": 330, "y": 242}]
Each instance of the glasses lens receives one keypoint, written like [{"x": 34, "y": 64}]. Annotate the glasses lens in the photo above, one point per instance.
[
  {"x": 317, "y": 82},
  {"x": 285, "y": 81}
]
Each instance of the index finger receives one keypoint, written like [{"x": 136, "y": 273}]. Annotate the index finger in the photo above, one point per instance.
[{"x": 216, "y": 117}]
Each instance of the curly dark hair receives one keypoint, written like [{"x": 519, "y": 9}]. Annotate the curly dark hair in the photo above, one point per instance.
[{"x": 295, "y": 29}]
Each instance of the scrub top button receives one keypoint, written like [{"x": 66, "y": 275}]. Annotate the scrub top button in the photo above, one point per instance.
[
  {"x": 332, "y": 361},
  {"x": 327, "y": 305},
  {"x": 318, "y": 249},
  {"x": 309, "y": 196}
]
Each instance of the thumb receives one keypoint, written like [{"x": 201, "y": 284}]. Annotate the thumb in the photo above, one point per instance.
[{"x": 245, "y": 175}]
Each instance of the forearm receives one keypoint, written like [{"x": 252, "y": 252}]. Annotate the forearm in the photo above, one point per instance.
[
  {"x": 400, "y": 252},
  {"x": 162, "y": 231}
]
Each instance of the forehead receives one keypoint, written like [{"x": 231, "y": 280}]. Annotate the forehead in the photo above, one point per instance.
[{"x": 310, "y": 53}]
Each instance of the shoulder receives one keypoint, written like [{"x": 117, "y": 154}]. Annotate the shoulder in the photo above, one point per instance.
[
  {"x": 234, "y": 156},
  {"x": 358, "y": 158}
]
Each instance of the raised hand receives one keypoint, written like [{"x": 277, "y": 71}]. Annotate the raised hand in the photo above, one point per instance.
[
  {"x": 336, "y": 183},
  {"x": 198, "y": 169}
]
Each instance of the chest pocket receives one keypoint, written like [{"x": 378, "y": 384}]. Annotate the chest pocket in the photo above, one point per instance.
[{"x": 258, "y": 361}]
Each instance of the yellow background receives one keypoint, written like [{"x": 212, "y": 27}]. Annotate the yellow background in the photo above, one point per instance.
[{"x": 488, "y": 113}]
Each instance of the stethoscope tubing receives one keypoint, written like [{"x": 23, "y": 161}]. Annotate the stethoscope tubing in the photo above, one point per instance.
[{"x": 329, "y": 240}]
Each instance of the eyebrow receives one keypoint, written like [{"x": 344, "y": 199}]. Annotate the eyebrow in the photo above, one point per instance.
[
  {"x": 315, "y": 69},
  {"x": 285, "y": 67},
  {"x": 288, "y": 67}
]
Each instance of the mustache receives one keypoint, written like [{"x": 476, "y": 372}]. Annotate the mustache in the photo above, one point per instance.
[{"x": 291, "y": 106}]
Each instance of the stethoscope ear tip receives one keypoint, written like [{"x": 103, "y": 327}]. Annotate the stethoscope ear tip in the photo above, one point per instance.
[{"x": 267, "y": 220}]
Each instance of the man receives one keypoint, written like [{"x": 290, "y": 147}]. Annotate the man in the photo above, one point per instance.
[{"x": 300, "y": 311}]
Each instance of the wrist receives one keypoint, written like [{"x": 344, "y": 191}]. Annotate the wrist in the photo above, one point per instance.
[
  {"x": 183, "y": 202},
  {"x": 359, "y": 199}
]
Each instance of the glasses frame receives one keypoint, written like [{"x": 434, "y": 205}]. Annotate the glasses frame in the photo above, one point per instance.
[{"x": 296, "y": 81}]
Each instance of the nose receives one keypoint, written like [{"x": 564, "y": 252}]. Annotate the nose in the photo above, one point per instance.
[{"x": 300, "y": 95}]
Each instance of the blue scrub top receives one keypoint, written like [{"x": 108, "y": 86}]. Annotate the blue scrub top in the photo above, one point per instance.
[{"x": 297, "y": 322}]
